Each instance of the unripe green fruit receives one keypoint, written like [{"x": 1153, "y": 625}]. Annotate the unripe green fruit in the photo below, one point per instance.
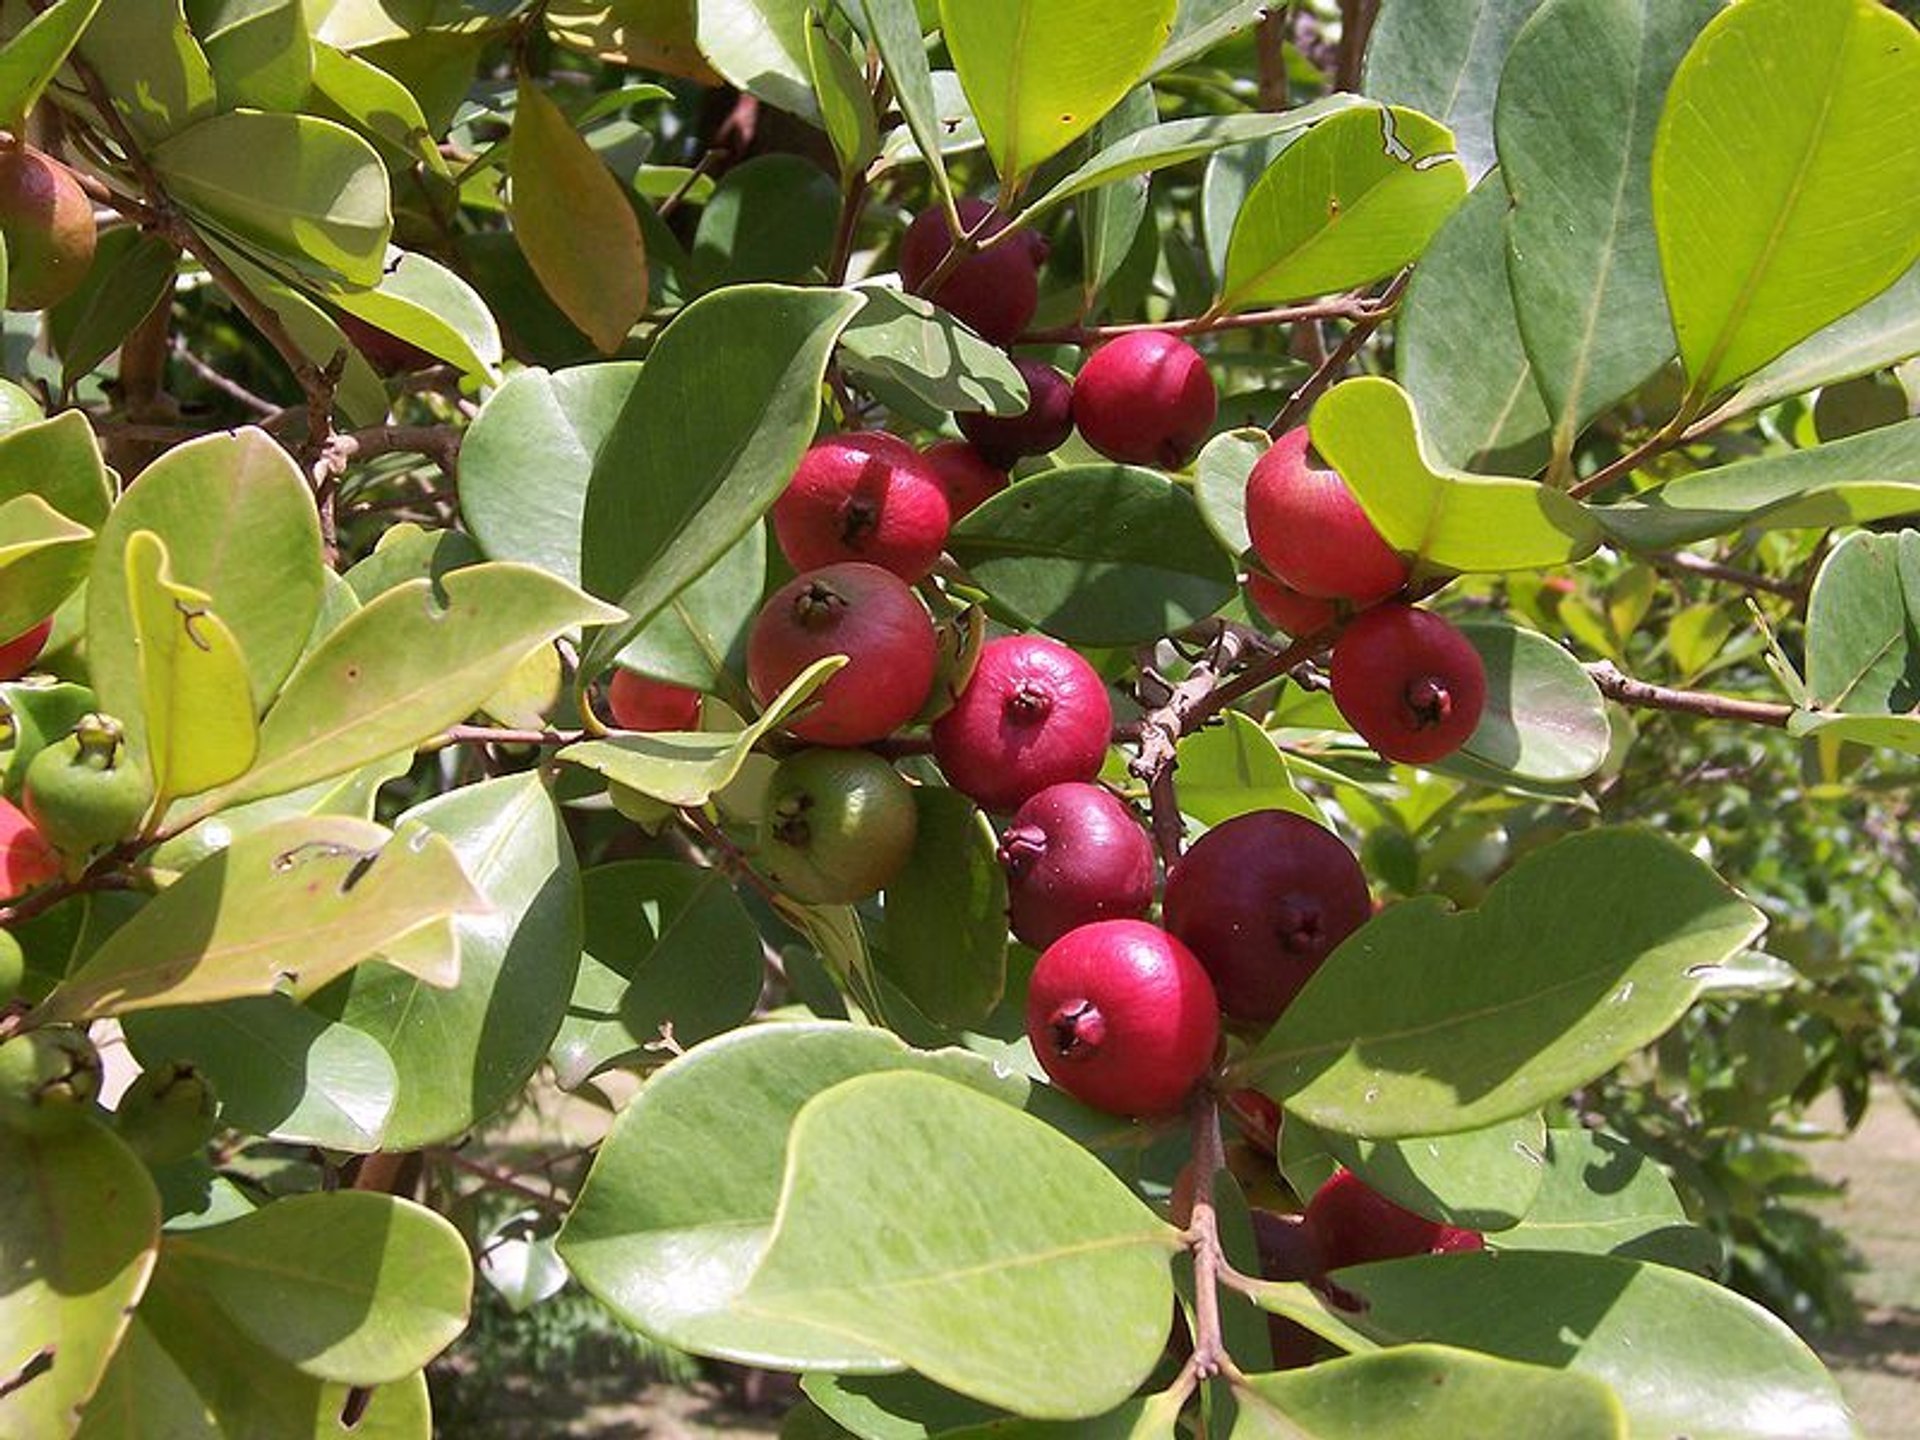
[
  {"x": 13, "y": 969},
  {"x": 168, "y": 1113},
  {"x": 48, "y": 1080},
  {"x": 86, "y": 792},
  {"x": 838, "y": 825}
]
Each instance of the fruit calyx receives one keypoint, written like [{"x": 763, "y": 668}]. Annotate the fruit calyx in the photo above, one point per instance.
[
  {"x": 1430, "y": 701},
  {"x": 818, "y": 606},
  {"x": 1077, "y": 1028},
  {"x": 1022, "y": 847}
]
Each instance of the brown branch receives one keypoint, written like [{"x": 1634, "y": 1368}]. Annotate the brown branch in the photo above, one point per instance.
[
  {"x": 1685, "y": 563},
  {"x": 1644, "y": 695},
  {"x": 1356, "y": 28},
  {"x": 498, "y": 1180},
  {"x": 1329, "y": 369},
  {"x": 1356, "y": 307},
  {"x": 1270, "y": 48},
  {"x": 1203, "y": 1238},
  {"x": 231, "y": 388}
]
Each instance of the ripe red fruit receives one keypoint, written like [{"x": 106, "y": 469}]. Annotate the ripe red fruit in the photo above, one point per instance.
[
  {"x": 1287, "y": 609},
  {"x": 26, "y": 857},
  {"x": 1350, "y": 1223},
  {"x": 1122, "y": 1017},
  {"x": 1408, "y": 682},
  {"x": 860, "y": 611},
  {"x": 969, "y": 479},
  {"x": 18, "y": 654},
  {"x": 639, "y": 702},
  {"x": 867, "y": 496},
  {"x": 382, "y": 349},
  {"x": 1043, "y": 426},
  {"x": 1312, "y": 534},
  {"x": 994, "y": 292},
  {"x": 1074, "y": 854},
  {"x": 1145, "y": 399},
  {"x": 1034, "y": 714},
  {"x": 1263, "y": 898}
]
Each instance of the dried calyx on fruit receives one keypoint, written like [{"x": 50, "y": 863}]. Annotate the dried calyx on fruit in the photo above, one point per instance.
[
  {"x": 865, "y": 496},
  {"x": 1311, "y": 533},
  {"x": 837, "y": 825},
  {"x": 87, "y": 791},
  {"x": 1074, "y": 854},
  {"x": 49, "y": 1080},
  {"x": 1408, "y": 682},
  {"x": 1145, "y": 399},
  {"x": 1034, "y": 714}
]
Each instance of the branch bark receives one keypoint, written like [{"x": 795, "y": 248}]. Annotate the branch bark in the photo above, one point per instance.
[{"x": 1644, "y": 695}]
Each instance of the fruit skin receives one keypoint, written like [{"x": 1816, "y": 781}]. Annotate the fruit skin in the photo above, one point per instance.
[
  {"x": 1408, "y": 682},
  {"x": 49, "y": 1080},
  {"x": 18, "y": 654},
  {"x": 26, "y": 858},
  {"x": 47, "y": 222},
  {"x": 868, "y": 496},
  {"x": 168, "y": 1113},
  {"x": 1123, "y": 1018},
  {"x": 1145, "y": 399},
  {"x": 994, "y": 293},
  {"x": 85, "y": 792},
  {"x": 1312, "y": 534},
  {"x": 382, "y": 349},
  {"x": 1350, "y": 1223},
  {"x": 1287, "y": 609},
  {"x": 1263, "y": 899},
  {"x": 639, "y": 702},
  {"x": 860, "y": 611},
  {"x": 838, "y": 825},
  {"x": 1034, "y": 714},
  {"x": 967, "y": 476},
  {"x": 1042, "y": 427},
  {"x": 1074, "y": 854}
]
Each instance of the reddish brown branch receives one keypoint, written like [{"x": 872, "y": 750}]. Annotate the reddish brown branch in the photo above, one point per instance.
[{"x": 1644, "y": 695}]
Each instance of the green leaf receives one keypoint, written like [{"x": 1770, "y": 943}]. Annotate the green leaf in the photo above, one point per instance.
[
  {"x": 1352, "y": 200},
  {"x": 1586, "y": 285},
  {"x": 1882, "y": 332},
  {"x": 1111, "y": 216},
  {"x": 845, "y": 106},
  {"x": 771, "y": 218},
  {"x": 280, "y": 1069},
  {"x": 668, "y": 498},
  {"x": 1220, "y": 484},
  {"x": 1479, "y": 1179},
  {"x": 79, "y": 1231},
  {"x": 1863, "y": 656},
  {"x": 1451, "y": 519},
  {"x": 383, "y": 1284},
  {"x": 669, "y": 950},
  {"x": 34, "y": 56},
  {"x": 58, "y": 461},
  {"x": 915, "y": 344},
  {"x": 1871, "y": 476},
  {"x": 259, "y": 50},
  {"x": 286, "y": 909},
  {"x": 989, "y": 1299},
  {"x": 1428, "y": 1023},
  {"x": 1233, "y": 768},
  {"x": 427, "y": 305},
  {"x": 1445, "y": 62},
  {"x": 574, "y": 223},
  {"x": 1545, "y": 718},
  {"x": 644, "y": 34},
  {"x": 893, "y": 26},
  {"x": 1726, "y": 1368},
  {"x": 43, "y": 559},
  {"x": 1426, "y": 1392},
  {"x": 358, "y": 93},
  {"x": 151, "y": 65},
  {"x": 193, "y": 679},
  {"x": 699, "y": 640},
  {"x": 1805, "y": 101},
  {"x": 293, "y": 189},
  {"x": 1097, "y": 554},
  {"x": 1041, "y": 73},
  {"x": 944, "y": 941},
  {"x": 896, "y": 1407},
  {"x": 760, "y": 46},
  {"x": 1600, "y": 1196},
  {"x": 132, "y": 272},
  {"x": 419, "y": 658},
  {"x": 463, "y": 1052},
  {"x": 688, "y": 768},
  {"x": 692, "y": 1169},
  {"x": 1199, "y": 25}
]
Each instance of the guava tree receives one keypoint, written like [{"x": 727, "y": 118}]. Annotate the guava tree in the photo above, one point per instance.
[{"x": 1037, "y": 612}]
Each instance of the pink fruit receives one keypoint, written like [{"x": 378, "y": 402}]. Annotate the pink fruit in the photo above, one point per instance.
[
  {"x": 18, "y": 654},
  {"x": 1042, "y": 427},
  {"x": 868, "y": 496},
  {"x": 1350, "y": 1223},
  {"x": 965, "y": 474},
  {"x": 1287, "y": 609},
  {"x": 1074, "y": 854},
  {"x": 1312, "y": 534},
  {"x": 1034, "y": 714},
  {"x": 1145, "y": 399},
  {"x": 26, "y": 858},
  {"x": 1408, "y": 682},
  {"x": 639, "y": 702},
  {"x": 994, "y": 292}
]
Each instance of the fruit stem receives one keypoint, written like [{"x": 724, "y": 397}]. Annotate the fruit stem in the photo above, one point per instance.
[{"x": 1203, "y": 1239}]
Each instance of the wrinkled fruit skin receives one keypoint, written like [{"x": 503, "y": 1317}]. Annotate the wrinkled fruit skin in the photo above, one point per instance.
[
  {"x": 1039, "y": 429},
  {"x": 26, "y": 859},
  {"x": 167, "y": 1113},
  {"x": 860, "y": 611},
  {"x": 639, "y": 702},
  {"x": 966, "y": 475},
  {"x": 1410, "y": 684},
  {"x": 995, "y": 293},
  {"x": 1263, "y": 899},
  {"x": 49, "y": 1080},
  {"x": 867, "y": 496},
  {"x": 1351, "y": 1224},
  {"x": 1074, "y": 854},
  {"x": 1123, "y": 1018},
  {"x": 1034, "y": 714},
  {"x": 1287, "y": 609},
  {"x": 1312, "y": 534},
  {"x": 18, "y": 654},
  {"x": 47, "y": 222},
  {"x": 1145, "y": 399},
  {"x": 838, "y": 825},
  {"x": 86, "y": 792}
]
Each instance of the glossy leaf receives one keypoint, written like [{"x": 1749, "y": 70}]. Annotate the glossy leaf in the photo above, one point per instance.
[
  {"x": 259, "y": 49},
  {"x": 355, "y": 91},
  {"x": 771, "y": 218},
  {"x": 944, "y": 942},
  {"x": 1600, "y": 1196},
  {"x": 913, "y": 343},
  {"x": 1349, "y": 202},
  {"x": 34, "y": 56},
  {"x": 286, "y": 909},
  {"x": 43, "y": 559},
  {"x": 1220, "y": 484},
  {"x": 1199, "y": 25},
  {"x": 1804, "y": 100},
  {"x": 987, "y": 1300},
  {"x": 760, "y": 46},
  {"x": 1862, "y": 653},
  {"x": 132, "y": 272},
  {"x": 669, "y": 497},
  {"x": 1446, "y": 62},
  {"x": 58, "y": 461},
  {"x": 1484, "y": 1180},
  {"x": 293, "y": 189},
  {"x": 79, "y": 1232},
  {"x": 1882, "y": 332},
  {"x": 1097, "y": 554},
  {"x": 425, "y": 304},
  {"x": 151, "y": 65},
  {"x": 1428, "y": 1023},
  {"x": 1041, "y": 73},
  {"x": 647, "y": 34},
  {"x": 699, "y": 639},
  {"x": 1111, "y": 216},
  {"x": 893, "y": 27},
  {"x": 845, "y": 106},
  {"x": 1545, "y": 718},
  {"x": 574, "y": 223},
  {"x": 1233, "y": 768},
  {"x": 1451, "y": 519}
]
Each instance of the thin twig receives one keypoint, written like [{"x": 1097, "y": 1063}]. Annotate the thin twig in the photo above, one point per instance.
[
  {"x": 1355, "y": 307},
  {"x": 1686, "y": 563},
  {"x": 1329, "y": 369},
  {"x": 232, "y": 389},
  {"x": 1203, "y": 1238},
  {"x": 1644, "y": 695}
]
